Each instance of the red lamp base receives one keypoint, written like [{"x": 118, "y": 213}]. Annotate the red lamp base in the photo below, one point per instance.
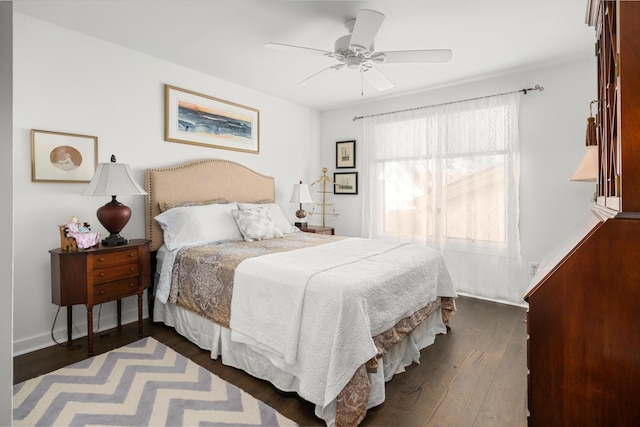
[{"x": 114, "y": 216}]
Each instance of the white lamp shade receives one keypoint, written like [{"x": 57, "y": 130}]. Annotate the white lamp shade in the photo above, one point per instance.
[
  {"x": 113, "y": 179},
  {"x": 301, "y": 194},
  {"x": 588, "y": 169}
]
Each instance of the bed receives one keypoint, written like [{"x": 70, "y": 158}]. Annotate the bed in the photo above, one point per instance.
[{"x": 328, "y": 317}]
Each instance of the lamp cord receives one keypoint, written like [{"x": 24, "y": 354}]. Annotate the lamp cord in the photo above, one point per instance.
[
  {"x": 72, "y": 346},
  {"x": 68, "y": 345}
]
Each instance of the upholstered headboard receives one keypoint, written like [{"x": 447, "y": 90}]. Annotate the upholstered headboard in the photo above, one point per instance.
[{"x": 200, "y": 181}]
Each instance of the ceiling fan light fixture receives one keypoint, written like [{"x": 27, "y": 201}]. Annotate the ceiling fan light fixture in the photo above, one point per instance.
[{"x": 353, "y": 62}]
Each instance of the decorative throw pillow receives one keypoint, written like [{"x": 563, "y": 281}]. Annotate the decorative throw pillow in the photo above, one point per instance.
[
  {"x": 192, "y": 225},
  {"x": 276, "y": 215},
  {"x": 165, "y": 206},
  {"x": 256, "y": 224}
]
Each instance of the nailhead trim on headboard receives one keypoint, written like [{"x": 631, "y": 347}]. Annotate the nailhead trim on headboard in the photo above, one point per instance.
[{"x": 201, "y": 180}]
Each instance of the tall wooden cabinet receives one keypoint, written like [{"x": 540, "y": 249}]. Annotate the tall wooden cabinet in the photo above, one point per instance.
[
  {"x": 584, "y": 306},
  {"x": 618, "y": 51}
]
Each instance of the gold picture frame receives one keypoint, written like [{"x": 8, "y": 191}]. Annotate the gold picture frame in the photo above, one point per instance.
[
  {"x": 198, "y": 119},
  {"x": 62, "y": 157}
]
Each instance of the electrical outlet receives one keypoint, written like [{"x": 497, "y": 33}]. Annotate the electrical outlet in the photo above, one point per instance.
[{"x": 533, "y": 268}]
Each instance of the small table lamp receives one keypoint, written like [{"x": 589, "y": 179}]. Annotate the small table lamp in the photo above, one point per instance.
[
  {"x": 111, "y": 179},
  {"x": 301, "y": 195}
]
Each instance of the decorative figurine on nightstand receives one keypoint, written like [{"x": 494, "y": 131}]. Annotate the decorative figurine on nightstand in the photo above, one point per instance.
[{"x": 76, "y": 235}]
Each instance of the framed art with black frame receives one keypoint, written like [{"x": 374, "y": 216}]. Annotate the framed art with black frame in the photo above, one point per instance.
[
  {"x": 345, "y": 154},
  {"x": 345, "y": 183}
]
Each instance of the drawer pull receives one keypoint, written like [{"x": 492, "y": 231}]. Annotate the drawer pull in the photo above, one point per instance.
[
  {"x": 101, "y": 292},
  {"x": 131, "y": 285},
  {"x": 101, "y": 259},
  {"x": 131, "y": 255},
  {"x": 131, "y": 269},
  {"x": 101, "y": 274}
]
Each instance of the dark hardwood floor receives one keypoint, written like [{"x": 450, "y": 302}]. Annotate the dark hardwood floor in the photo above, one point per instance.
[{"x": 475, "y": 375}]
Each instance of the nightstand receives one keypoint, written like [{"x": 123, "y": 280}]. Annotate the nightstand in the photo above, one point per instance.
[
  {"x": 101, "y": 274},
  {"x": 317, "y": 229}
]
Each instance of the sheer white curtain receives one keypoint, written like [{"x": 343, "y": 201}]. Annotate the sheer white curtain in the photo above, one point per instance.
[{"x": 449, "y": 176}]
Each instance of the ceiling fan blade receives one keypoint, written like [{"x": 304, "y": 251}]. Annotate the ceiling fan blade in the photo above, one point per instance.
[
  {"x": 291, "y": 48},
  {"x": 365, "y": 28},
  {"x": 430, "y": 55},
  {"x": 376, "y": 78},
  {"x": 324, "y": 73}
]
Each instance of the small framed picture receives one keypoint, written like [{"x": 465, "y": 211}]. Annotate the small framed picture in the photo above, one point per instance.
[
  {"x": 346, "y": 183},
  {"x": 62, "y": 157},
  {"x": 345, "y": 154}
]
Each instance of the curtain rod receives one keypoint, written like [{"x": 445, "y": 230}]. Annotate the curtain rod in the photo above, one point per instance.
[{"x": 536, "y": 87}]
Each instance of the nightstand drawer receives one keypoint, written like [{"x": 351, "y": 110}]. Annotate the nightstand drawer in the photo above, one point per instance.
[
  {"x": 102, "y": 275},
  {"x": 115, "y": 290},
  {"x": 114, "y": 258}
]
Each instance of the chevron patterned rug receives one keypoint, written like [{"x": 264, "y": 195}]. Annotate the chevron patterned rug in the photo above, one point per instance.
[{"x": 142, "y": 384}]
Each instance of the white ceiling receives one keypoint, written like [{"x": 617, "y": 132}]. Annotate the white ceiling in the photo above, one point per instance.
[{"x": 225, "y": 38}]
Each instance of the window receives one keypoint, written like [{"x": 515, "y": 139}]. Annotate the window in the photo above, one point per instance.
[
  {"x": 448, "y": 176},
  {"x": 452, "y": 187}
]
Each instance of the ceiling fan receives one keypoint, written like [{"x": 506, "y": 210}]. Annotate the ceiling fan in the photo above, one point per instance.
[{"x": 356, "y": 51}]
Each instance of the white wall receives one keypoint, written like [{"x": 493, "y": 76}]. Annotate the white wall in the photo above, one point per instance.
[
  {"x": 68, "y": 82},
  {"x": 6, "y": 212},
  {"x": 552, "y": 135}
]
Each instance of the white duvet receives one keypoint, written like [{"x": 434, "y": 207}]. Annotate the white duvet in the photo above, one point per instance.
[{"x": 312, "y": 311}]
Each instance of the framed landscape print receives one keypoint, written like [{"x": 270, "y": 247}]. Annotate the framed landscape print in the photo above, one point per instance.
[
  {"x": 194, "y": 118},
  {"x": 346, "y": 183},
  {"x": 345, "y": 154},
  {"x": 62, "y": 157}
]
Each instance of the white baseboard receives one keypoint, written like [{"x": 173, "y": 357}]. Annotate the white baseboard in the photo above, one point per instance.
[
  {"x": 107, "y": 321},
  {"x": 523, "y": 304}
]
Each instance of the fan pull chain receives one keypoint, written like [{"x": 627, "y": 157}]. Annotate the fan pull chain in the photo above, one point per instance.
[{"x": 361, "y": 82}]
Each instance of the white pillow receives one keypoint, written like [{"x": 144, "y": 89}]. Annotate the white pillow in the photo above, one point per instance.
[
  {"x": 195, "y": 225},
  {"x": 256, "y": 224},
  {"x": 276, "y": 214}
]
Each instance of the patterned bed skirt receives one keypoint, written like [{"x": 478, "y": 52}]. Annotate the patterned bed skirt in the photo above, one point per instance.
[{"x": 351, "y": 404}]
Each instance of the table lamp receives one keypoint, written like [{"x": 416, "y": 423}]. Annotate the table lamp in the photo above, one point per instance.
[
  {"x": 301, "y": 195},
  {"x": 113, "y": 179}
]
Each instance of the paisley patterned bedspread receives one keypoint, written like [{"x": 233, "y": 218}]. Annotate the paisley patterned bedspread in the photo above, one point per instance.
[
  {"x": 202, "y": 276},
  {"x": 202, "y": 282}
]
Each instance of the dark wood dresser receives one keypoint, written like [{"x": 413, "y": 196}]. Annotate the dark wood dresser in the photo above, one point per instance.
[
  {"x": 97, "y": 275},
  {"x": 584, "y": 307}
]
